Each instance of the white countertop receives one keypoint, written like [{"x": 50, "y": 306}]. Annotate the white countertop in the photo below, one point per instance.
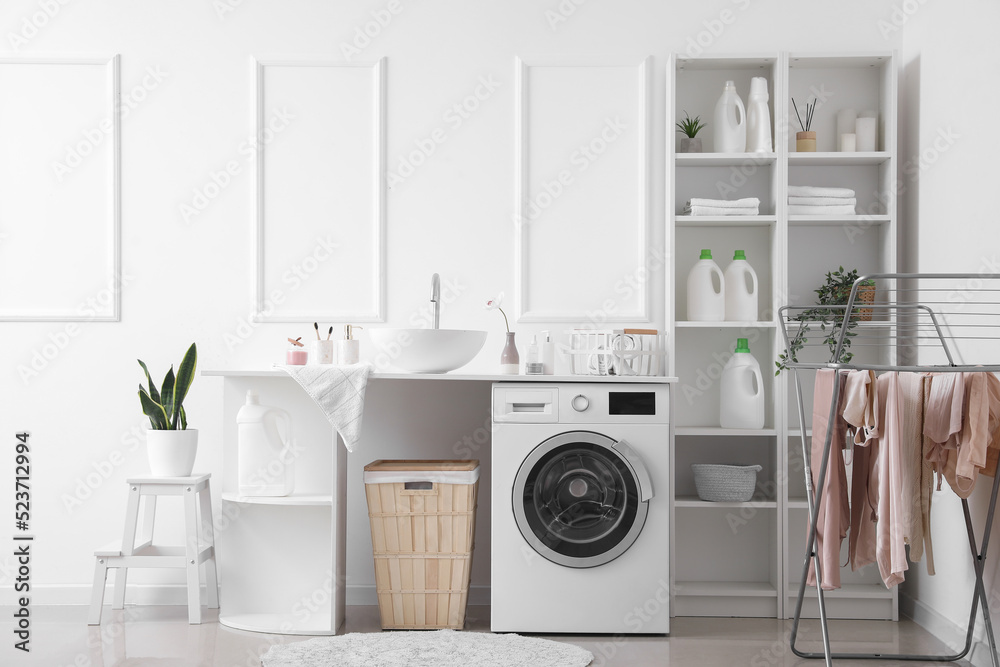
[{"x": 379, "y": 375}]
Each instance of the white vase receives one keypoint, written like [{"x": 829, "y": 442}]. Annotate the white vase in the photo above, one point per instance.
[{"x": 171, "y": 453}]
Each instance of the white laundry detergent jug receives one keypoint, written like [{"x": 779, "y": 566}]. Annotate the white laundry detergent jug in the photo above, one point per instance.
[
  {"x": 266, "y": 463},
  {"x": 741, "y": 297},
  {"x": 705, "y": 302},
  {"x": 758, "y": 117},
  {"x": 730, "y": 122},
  {"x": 741, "y": 400}
]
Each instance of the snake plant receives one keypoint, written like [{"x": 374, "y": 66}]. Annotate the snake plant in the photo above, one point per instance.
[{"x": 165, "y": 407}]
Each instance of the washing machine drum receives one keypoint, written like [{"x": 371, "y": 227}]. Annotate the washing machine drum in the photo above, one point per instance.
[{"x": 578, "y": 500}]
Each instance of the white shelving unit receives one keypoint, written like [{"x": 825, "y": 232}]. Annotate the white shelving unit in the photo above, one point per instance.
[
  {"x": 744, "y": 559},
  {"x": 282, "y": 558}
]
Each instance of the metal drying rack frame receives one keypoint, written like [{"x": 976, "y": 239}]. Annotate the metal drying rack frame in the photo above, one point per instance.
[{"x": 914, "y": 312}]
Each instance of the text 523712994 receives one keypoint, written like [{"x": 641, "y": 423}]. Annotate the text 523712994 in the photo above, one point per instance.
[{"x": 22, "y": 542}]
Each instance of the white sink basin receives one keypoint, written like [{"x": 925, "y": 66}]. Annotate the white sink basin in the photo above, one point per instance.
[{"x": 428, "y": 350}]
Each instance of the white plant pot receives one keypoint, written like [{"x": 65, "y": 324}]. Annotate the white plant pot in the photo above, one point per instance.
[{"x": 171, "y": 453}]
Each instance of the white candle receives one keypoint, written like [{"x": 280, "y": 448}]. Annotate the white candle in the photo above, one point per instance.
[
  {"x": 865, "y": 131},
  {"x": 845, "y": 123},
  {"x": 848, "y": 142}
]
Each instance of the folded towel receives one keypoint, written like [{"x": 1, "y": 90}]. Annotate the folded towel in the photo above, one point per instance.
[
  {"x": 821, "y": 210},
  {"x": 746, "y": 202},
  {"x": 822, "y": 201},
  {"x": 810, "y": 191},
  {"x": 339, "y": 391},
  {"x": 719, "y": 210}
]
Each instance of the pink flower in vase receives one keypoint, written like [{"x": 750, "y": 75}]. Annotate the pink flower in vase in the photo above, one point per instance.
[{"x": 494, "y": 304}]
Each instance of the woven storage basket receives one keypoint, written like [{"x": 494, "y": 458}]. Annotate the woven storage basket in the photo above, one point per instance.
[
  {"x": 865, "y": 295},
  {"x": 725, "y": 483},
  {"x": 422, "y": 537}
]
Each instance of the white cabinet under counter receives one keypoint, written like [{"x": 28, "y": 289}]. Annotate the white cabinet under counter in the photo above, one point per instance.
[{"x": 283, "y": 560}]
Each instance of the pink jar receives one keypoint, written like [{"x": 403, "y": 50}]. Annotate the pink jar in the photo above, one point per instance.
[{"x": 296, "y": 357}]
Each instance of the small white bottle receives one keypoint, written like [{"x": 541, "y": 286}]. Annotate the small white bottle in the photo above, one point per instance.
[
  {"x": 548, "y": 355},
  {"x": 349, "y": 349},
  {"x": 741, "y": 299},
  {"x": 758, "y": 117},
  {"x": 741, "y": 403},
  {"x": 705, "y": 303},
  {"x": 730, "y": 122},
  {"x": 533, "y": 358}
]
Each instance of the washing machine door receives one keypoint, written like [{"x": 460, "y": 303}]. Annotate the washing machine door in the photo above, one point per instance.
[{"x": 580, "y": 498}]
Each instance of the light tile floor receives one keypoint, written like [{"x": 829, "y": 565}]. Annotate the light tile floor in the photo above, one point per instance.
[{"x": 161, "y": 637}]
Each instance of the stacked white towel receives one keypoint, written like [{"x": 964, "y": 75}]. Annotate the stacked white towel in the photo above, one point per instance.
[
  {"x": 745, "y": 206},
  {"x": 810, "y": 200}
]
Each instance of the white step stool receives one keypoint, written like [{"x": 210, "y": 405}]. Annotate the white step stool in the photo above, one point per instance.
[{"x": 197, "y": 499}]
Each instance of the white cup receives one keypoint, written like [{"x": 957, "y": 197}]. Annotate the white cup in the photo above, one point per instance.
[{"x": 321, "y": 352}]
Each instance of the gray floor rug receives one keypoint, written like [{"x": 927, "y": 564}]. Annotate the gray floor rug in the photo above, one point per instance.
[{"x": 440, "y": 648}]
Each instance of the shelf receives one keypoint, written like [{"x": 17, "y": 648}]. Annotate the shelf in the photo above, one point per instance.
[
  {"x": 837, "y": 220},
  {"x": 858, "y": 591},
  {"x": 725, "y": 220},
  {"x": 723, "y": 159},
  {"x": 797, "y": 504},
  {"x": 838, "y": 159},
  {"x": 289, "y": 624},
  {"x": 834, "y": 60},
  {"x": 797, "y": 433},
  {"x": 694, "y": 501},
  {"x": 719, "y": 431},
  {"x": 299, "y": 500},
  {"x": 762, "y": 589},
  {"x": 688, "y": 324},
  {"x": 485, "y": 377},
  {"x": 749, "y": 61}
]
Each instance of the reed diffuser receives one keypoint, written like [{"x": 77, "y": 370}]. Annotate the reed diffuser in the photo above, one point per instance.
[{"x": 805, "y": 141}]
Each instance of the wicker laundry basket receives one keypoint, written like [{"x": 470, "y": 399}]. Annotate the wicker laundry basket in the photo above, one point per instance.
[
  {"x": 725, "y": 483},
  {"x": 423, "y": 521},
  {"x": 865, "y": 296}
]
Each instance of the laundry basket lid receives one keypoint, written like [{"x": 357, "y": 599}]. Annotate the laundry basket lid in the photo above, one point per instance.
[{"x": 386, "y": 471}]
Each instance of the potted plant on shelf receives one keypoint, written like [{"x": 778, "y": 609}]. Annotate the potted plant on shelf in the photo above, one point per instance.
[
  {"x": 690, "y": 127},
  {"x": 834, "y": 292},
  {"x": 170, "y": 445}
]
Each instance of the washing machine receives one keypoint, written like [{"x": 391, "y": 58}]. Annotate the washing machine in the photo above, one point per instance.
[{"x": 580, "y": 512}]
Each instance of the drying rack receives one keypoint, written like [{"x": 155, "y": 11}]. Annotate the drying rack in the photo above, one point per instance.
[{"x": 917, "y": 323}]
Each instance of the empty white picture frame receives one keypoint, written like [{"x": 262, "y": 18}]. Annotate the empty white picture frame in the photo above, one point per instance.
[
  {"x": 60, "y": 189},
  {"x": 319, "y": 251},
  {"x": 581, "y": 204}
]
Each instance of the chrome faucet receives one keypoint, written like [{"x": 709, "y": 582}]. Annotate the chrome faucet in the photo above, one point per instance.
[{"x": 436, "y": 299}]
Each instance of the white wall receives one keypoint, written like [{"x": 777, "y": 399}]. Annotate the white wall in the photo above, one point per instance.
[
  {"x": 192, "y": 280},
  {"x": 947, "y": 226}
]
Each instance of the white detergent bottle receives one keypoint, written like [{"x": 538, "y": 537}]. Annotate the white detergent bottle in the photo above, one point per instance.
[
  {"x": 266, "y": 464},
  {"x": 705, "y": 302},
  {"x": 741, "y": 400},
  {"x": 730, "y": 122},
  {"x": 758, "y": 117},
  {"x": 741, "y": 297}
]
